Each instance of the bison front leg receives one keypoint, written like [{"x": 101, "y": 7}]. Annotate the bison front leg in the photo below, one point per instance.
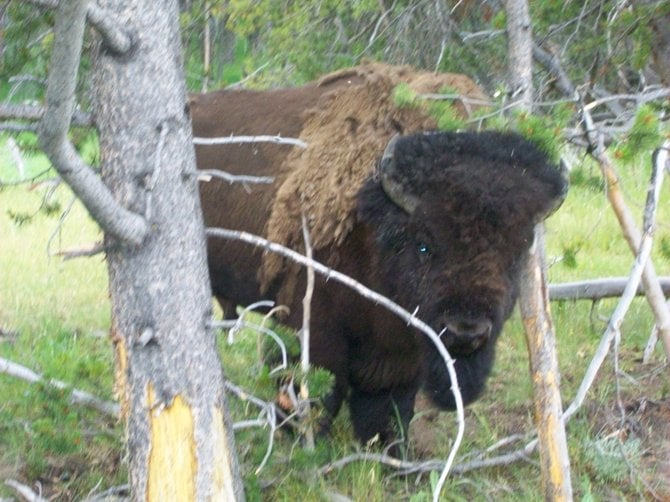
[{"x": 386, "y": 413}]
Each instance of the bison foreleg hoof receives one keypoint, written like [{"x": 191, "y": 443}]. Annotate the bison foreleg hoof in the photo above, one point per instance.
[{"x": 384, "y": 415}]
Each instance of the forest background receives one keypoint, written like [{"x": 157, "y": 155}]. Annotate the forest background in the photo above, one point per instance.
[{"x": 613, "y": 55}]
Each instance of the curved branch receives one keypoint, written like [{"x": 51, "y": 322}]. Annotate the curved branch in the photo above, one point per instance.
[
  {"x": 116, "y": 37},
  {"x": 60, "y": 99}
]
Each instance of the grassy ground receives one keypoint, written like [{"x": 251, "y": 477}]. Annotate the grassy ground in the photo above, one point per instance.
[{"x": 54, "y": 316}]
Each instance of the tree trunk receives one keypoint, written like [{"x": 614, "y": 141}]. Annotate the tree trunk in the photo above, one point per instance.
[
  {"x": 541, "y": 342},
  {"x": 180, "y": 441},
  {"x": 519, "y": 53},
  {"x": 534, "y": 298}
]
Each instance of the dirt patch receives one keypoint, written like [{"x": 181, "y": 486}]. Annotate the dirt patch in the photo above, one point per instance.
[{"x": 346, "y": 133}]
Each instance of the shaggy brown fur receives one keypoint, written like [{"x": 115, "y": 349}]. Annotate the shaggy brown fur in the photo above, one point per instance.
[{"x": 345, "y": 133}]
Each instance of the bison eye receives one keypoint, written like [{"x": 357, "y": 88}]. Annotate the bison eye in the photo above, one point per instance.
[{"x": 423, "y": 248}]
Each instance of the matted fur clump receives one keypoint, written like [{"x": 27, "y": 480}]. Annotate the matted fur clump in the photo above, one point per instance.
[{"x": 346, "y": 133}]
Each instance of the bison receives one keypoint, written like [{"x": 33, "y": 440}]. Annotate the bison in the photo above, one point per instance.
[{"x": 441, "y": 224}]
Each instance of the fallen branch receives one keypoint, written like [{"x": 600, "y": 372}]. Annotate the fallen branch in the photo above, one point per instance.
[
  {"x": 366, "y": 292},
  {"x": 76, "y": 396},
  {"x": 597, "y": 289},
  {"x": 629, "y": 293},
  {"x": 25, "y": 491},
  {"x": 653, "y": 290}
]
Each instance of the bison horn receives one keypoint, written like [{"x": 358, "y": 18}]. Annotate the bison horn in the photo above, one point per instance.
[
  {"x": 392, "y": 179},
  {"x": 558, "y": 201}
]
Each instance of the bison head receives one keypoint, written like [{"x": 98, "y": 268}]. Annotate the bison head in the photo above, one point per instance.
[{"x": 453, "y": 217}]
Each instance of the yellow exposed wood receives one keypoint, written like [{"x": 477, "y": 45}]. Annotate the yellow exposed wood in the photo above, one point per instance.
[
  {"x": 540, "y": 338},
  {"x": 223, "y": 471},
  {"x": 172, "y": 460},
  {"x": 121, "y": 390}
]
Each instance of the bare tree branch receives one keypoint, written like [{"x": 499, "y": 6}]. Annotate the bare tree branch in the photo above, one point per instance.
[
  {"x": 553, "y": 66},
  {"x": 597, "y": 289},
  {"x": 660, "y": 158},
  {"x": 60, "y": 97},
  {"x": 25, "y": 491},
  {"x": 35, "y": 113},
  {"x": 115, "y": 36},
  {"x": 303, "y": 404},
  {"x": 652, "y": 288},
  {"x": 250, "y": 139},
  {"x": 207, "y": 174},
  {"x": 77, "y": 396}
]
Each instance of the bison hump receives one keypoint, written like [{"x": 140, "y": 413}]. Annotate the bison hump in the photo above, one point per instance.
[{"x": 345, "y": 134}]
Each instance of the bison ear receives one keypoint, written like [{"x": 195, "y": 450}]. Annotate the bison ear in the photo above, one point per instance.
[{"x": 392, "y": 180}]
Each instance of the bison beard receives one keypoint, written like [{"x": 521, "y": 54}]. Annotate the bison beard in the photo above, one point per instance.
[{"x": 444, "y": 225}]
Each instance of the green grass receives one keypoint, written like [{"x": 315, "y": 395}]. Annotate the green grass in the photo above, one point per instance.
[{"x": 55, "y": 316}]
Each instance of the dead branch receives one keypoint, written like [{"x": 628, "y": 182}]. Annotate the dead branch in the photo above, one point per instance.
[
  {"x": 60, "y": 98},
  {"x": 206, "y": 175},
  {"x": 35, "y": 113},
  {"x": 25, "y": 491},
  {"x": 268, "y": 410},
  {"x": 76, "y": 396},
  {"x": 653, "y": 290},
  {"x": 364, "y": 291},
  {"x": 116, "y": 37},
  {"x": 660, "y": 157},
  {"x": 598, "y": 289},
  {"x": 303, "y": 408},
  {"x": 93, "y": 249},
  {"x": 396, "y": 463},
  {"x": 250, "y": 139},
  {"x": 239, "y": 323}
]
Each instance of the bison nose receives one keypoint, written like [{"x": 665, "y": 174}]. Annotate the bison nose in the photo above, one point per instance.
[{"x": 466, "y": 336}]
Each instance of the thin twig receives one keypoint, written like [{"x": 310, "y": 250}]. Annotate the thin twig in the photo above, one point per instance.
[
  {"x": 250, "y": 139},
  {"x": 304, "y": 409},
  {"x": 267, "y": 409},
  {"x": 238, "y": 324},
  {"x": 207, "y": 174},
  {"x": 114, "y": 491}
]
